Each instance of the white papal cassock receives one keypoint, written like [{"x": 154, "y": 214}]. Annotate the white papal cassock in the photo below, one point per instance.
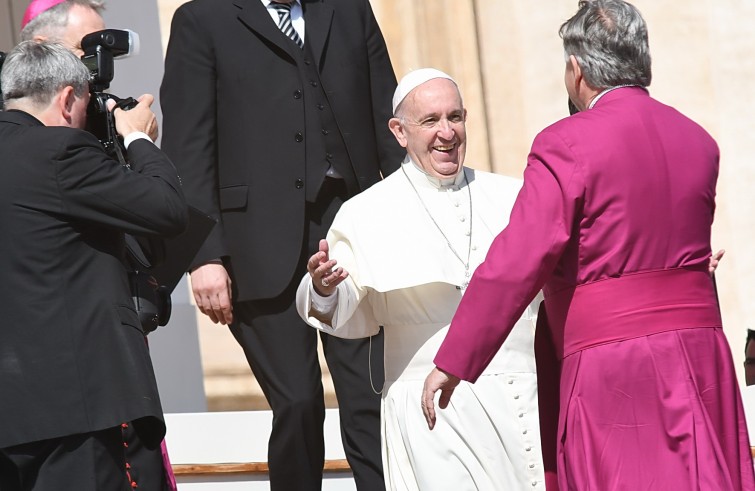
[{"x": 405, "y": 276}]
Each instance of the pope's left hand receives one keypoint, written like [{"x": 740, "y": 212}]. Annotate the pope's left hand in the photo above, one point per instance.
[{"x": 714, "y": 260}]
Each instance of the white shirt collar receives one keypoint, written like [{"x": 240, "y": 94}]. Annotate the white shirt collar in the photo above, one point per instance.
[{"x": 266, "y": 3}]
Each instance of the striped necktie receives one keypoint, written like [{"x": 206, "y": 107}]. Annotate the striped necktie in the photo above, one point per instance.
[{"x": 284, "y": 22}]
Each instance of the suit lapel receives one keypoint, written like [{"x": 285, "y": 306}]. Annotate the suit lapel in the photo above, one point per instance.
[
  {"x": 318, "y": 17},
  {"x": 256, "y": 17}
]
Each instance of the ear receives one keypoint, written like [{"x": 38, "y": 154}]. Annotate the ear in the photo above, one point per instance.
[
  {"x": 394, "y": 124},
  {"x": 577, "y": 71},
  {"x": 66, "y": 99}
]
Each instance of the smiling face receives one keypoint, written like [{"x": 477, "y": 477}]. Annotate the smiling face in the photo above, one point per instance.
[{"x": 430, "y": 124}]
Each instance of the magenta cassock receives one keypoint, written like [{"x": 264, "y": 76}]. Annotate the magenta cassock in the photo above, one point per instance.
[{"x": 614, "y": 224}]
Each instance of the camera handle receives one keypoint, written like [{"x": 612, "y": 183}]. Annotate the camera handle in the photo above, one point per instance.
[{"x": 125, "y": 104}]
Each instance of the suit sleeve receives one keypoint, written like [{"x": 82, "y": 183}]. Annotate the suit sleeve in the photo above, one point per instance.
[
  {"x": 187, "y": 96},
  {"x": 519, "y": 261},
  {"x": 144, "y": 200},
  {"x": 383, "y": 84}
]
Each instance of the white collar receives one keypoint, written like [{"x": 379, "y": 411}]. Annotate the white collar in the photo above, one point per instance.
[
  {"x": 606, "y": 91},
  {"x": 416, "y": 174}
]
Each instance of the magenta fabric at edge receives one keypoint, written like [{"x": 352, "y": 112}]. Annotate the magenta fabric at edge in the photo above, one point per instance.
[{"x": 660, "y": 402}]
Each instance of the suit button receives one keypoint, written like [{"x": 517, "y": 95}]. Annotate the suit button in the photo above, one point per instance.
[
  {"x": 297, "y": 94},
  {"x": 329, "y": 156},
  {"x": 320, "y": 107},
  {"x": 299, "y": 137},
  {"x": 299, "y": 183},
  {"x": 313, "y": 83},
  {"x": 324, "y": 131},
  {"x": 306, "y": 62}
]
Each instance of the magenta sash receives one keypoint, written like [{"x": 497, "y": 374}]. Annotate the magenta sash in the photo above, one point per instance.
[{"x": 631, "y": 306}]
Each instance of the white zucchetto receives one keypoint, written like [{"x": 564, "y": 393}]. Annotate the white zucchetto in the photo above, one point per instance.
[{"x": 414, "y": 79}]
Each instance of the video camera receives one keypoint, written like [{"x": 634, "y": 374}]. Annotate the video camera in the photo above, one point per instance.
[{"x": 101, "y": 48}]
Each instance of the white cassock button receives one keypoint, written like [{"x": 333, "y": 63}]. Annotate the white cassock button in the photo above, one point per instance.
[
  {"x": 532, "y": 466},
  {"x": 516, "y": 396},
  {"x": 463, "y": 219},
  {"x": 528, "y": 449}
]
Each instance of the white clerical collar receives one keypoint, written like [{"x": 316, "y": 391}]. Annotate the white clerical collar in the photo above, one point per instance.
[
  {"x": 606, "y": 91},
  {"x": 418, "y": 175}
]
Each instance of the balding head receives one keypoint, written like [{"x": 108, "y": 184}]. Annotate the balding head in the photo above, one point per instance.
[{"x": 65, "y": 22}]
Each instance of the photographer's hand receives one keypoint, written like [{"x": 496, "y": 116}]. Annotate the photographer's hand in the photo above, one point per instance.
[
  {"x": 211, "y": 286},
  {"x": 140, "y": 118}
]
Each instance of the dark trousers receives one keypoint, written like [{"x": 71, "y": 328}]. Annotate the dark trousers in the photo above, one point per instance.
[
  {"x": 87, "y": 462},
  {"x": 282, "y": 352}
]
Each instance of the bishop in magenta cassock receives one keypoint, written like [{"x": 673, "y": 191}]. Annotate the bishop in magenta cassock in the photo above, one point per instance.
[{"x": 613, "y": 223}]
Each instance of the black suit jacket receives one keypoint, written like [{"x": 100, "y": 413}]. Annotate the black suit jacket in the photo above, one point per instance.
[
  {"x": 73, "y": 358},
  {"x": 231, "y": 100}
]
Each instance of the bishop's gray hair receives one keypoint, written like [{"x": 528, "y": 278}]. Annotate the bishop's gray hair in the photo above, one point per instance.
[
  {"x": 52, "y": 22},
  {"x": 609, "y": 39},
  {"x": 38, "y": 71}
]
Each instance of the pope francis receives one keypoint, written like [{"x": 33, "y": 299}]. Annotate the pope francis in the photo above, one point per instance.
[{"x": 399, "y": 255}]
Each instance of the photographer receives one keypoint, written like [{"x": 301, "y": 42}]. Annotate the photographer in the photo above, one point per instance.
[
  {"x": 67, "y": 22},
  {"x": 73, "y": 362}
]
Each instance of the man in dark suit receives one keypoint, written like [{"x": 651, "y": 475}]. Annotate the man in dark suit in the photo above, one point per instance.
[
  {"x": 67, "y": 22},
  {"x": 73, "y": 362},
  {"x": 271, "y": 135}
]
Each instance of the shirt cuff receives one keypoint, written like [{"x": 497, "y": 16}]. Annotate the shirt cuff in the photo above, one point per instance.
[
  {"x": 323, "y": 305},
  {"x": 136, "y": 135}
]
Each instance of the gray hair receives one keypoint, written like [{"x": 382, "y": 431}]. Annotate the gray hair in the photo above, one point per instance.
[
  {"x": 609, "y": 39},
  {"x": 52, "y": 22},
  {"x": 38, "y": 71}
]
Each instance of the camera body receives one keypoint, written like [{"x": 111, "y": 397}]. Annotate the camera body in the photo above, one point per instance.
[{"x": 151, "y": 300}]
